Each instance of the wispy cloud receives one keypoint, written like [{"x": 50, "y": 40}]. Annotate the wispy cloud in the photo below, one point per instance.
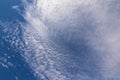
[{"x": 96, "y": 22}]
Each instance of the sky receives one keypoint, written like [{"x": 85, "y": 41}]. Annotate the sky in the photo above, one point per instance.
[{"x": 61, "y": 39}]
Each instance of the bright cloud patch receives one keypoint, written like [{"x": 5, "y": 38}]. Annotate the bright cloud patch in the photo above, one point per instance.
[{"x": 73, "y": 39}]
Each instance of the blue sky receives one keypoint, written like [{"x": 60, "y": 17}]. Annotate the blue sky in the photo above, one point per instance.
[{"x": 12, "y": 65}]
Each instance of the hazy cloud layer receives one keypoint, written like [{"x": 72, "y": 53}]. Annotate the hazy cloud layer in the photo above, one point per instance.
[{"x": 73, "y": 39}]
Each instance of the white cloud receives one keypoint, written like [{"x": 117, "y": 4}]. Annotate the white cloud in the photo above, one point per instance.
[
  {"x": 44, "y": 15},
  {"x": 15, "y": 7}
]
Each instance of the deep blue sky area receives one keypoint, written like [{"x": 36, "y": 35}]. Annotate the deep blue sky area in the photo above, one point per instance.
[
  {"x": 7, "y": 12},
  {"x": 20, "y": 70}
]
